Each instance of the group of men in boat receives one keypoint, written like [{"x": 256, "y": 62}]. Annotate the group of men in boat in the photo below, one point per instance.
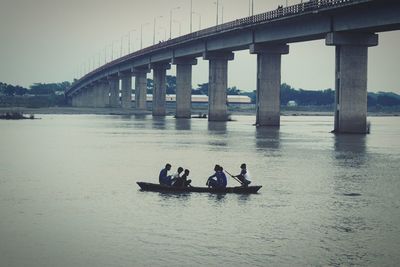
[{"x": 217, "y": 180}]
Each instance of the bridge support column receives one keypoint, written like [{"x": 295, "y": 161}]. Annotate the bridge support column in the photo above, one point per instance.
[
  {"x": 114, "y": 91},
  {"x": 105, "y": 90},
  {"x": 97, "y": 95},
  {"x": 184, "y": 86},
  {"x": 83, "y": 98},
  {"x": 351, "y": 79},
  {"x": 126, "y": 89},
  {"x": 217, "y": 85},
  {"x": 91, "y": 97},
  {"x": 140, "y": 88},
  {"x": 159, "y": 90},
  {"x": 268, "y": 82}
]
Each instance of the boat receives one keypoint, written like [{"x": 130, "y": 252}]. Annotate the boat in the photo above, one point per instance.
[{"x": 170, "y": 189}]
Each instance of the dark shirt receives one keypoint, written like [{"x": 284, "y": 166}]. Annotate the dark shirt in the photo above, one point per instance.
[{"x": 163, "y": 176}]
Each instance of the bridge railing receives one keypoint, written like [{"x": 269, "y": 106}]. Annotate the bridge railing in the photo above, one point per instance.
[{"x": 280, "y": 12}]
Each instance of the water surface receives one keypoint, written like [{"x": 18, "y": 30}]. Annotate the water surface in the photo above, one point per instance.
[{"x": 68, "y": 193}]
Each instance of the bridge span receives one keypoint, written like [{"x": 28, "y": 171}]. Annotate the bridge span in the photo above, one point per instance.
[{"x": 349, "y": 25}]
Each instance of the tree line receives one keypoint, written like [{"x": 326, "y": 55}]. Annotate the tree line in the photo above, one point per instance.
[{"x": 51, "y": 94}]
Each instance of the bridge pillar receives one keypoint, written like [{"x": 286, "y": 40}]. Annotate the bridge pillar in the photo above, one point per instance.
[
  {"x": 126, "y": 89},
  {"x": 89, "y": 97},
  {"x": 105, "y": 91},
  {"x": 268, "y": 82},
  {"x": 81, "y": 102},
  {"x": 101, "y": 94},
  {"x": 217, "y": 84},
  {"x": 114, "y": 91},
  {"x": 140, "y": 88},
  {"x": 97, "y": 98},
  {"x": 351, "y": 79},
  {"x": 184, "y": 86},
  {"x": 159, "y": 90},
  {"x": 85, "y": 97}
]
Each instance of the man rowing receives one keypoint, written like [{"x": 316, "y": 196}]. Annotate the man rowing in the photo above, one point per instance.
[{"x": 244, "y": 175}]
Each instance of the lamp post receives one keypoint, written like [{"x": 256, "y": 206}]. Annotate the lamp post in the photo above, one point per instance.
[
  {"x": 170, "y": 20},
  {"x": 191, "y": 13},
  {"x": 141, "y": 34},
  {"x": 154, "y": 29},
  {"x": 217, "y": 10}
]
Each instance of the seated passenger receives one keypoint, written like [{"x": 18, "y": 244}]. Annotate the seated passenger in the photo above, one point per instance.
[
  {"x": 218, "y": 179},
  {"x": 183, "y": 181},
  {"x": 244, "y": 175},
  {"x": 164, "y": 178},
  {"x": 176, "y": 175}
]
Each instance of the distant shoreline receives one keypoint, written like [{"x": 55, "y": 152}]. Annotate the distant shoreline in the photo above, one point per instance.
[{"x": 170, "y": 112}]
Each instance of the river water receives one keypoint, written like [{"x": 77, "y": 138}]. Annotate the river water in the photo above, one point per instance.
[{"x": 68, "y": 193}]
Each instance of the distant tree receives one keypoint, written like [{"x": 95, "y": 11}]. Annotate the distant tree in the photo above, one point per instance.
[
  {"x": 9, "y": 90},
  {"x": 171, "y": 84},
  {"x": 233, "y": 91},
  {"x": 150, "y": 86},
  {"x": 20, "y": 90},
  {"x": 387, "y": 100}
]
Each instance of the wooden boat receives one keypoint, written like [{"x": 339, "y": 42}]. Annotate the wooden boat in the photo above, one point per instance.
[{"x": 164, "y": 188}]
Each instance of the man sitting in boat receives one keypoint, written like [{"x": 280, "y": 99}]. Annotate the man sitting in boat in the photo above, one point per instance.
[
  {"x": 164, "y": 178},
  {"x": 176, "y": 175},
  {"x": 244, "y": 175},
  {"x": 183, "y": 181},
  {"x": 218, "y": 179}
]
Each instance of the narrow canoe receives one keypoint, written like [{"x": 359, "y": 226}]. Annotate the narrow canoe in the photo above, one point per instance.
[{"x": 164, "y": 188}]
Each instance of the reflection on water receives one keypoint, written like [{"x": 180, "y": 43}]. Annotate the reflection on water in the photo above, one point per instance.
[
  {"x": 158, "y": 122},
  {"x": 183, "y": 124},
  {"x": 218, "y": 133},
  {"x": 267, "y": 138},
  {"x": 350, "y": 149},
  {"x": 217, "y": 127}
]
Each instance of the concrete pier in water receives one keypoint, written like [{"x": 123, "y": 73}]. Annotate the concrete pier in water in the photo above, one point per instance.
[
  {"x": 268, "y": 82},
  {"x": 217, "y": 85},
  {"x": 184, "y": 86},
  {"x": 351, "y": 80}
]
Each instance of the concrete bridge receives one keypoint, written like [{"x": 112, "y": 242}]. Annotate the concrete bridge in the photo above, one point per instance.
[{"x": 349, "y": 25}]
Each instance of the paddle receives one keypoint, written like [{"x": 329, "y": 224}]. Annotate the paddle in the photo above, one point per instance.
[{"x": 234, "y": 177}]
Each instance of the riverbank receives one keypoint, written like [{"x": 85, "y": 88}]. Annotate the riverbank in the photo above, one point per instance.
[{"x": 170, "y": 112}]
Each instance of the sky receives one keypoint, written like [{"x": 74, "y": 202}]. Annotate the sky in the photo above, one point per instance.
[{"x": 58, "y": 40}]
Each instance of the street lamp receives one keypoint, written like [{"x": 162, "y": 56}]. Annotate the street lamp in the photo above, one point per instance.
[
  {"x": 217, "y": 3},
  {"x": 191, "y": 13},
  {"x": 251, "y": 7},
  {"x": 141, "y": 34},
  {"x": 170, "y": 20},
  {"x": 154, "y": 29}
]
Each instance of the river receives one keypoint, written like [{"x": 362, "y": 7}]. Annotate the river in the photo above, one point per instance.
[{"x": 68, "y": 193}]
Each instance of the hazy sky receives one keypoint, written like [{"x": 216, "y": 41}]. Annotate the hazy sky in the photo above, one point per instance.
[{"x": 54, "y": 41}]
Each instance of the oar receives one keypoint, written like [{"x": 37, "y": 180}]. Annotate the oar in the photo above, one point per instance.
[{"x": 234, "y": 177}]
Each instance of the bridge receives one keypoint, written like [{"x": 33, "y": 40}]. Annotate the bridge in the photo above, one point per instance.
[{"x": 349, "y": 25}]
